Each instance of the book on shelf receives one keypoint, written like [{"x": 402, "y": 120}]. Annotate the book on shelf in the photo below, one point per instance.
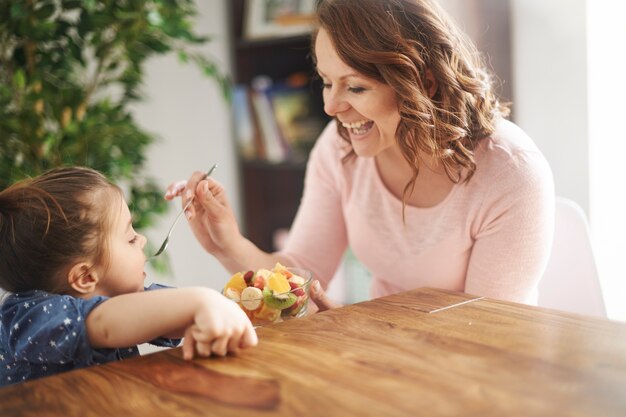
[
  {"x": 298, "y": 120},
  {"x": 275, "y": 122},
  {"x": 246, "y": 133},
  {"x": 275, "y": 148}
]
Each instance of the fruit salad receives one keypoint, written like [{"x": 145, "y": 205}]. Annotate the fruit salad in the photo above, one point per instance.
[{"x": 270, "y": 296}]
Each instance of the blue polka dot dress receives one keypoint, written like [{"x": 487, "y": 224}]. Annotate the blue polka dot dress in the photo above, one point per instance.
[{"x": 43, "y": 334}]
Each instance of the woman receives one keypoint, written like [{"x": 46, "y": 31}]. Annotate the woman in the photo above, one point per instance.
[{"x": 419, "y": 172}]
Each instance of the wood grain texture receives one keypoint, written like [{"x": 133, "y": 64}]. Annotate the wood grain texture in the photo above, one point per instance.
[{"x": 400, "y": 355}]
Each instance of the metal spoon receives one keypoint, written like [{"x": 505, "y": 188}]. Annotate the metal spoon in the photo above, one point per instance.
[{"x": 169, "y": 232}]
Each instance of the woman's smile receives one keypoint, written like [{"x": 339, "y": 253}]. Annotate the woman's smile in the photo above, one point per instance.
[{"x": 359, "y": 128}]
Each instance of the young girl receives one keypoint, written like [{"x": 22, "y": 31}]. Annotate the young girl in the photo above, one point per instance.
[{"x": 73, "y": 266}]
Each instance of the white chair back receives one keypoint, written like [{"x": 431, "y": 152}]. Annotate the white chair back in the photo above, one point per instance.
[{"x": 571, "y": 282}]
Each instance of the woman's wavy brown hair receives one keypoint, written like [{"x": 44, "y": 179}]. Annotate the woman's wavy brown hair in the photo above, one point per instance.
[
  {"x": 395, "y": 42},
  {"x": 50, "y": 222}
]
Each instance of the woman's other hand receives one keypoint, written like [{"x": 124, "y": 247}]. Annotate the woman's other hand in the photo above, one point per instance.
[{"x": 319, "y": 297}]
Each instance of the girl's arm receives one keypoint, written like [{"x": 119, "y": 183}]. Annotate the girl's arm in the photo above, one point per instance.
[{"x": 213, "y": 323}]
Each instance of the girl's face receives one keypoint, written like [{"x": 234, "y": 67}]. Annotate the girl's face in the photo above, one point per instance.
[
  {"x": 367, "y": 108},
  {"x": 125, "y": 273}
]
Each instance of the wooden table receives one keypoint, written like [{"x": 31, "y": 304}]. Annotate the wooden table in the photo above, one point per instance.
[{"x": 420, "y": 353}]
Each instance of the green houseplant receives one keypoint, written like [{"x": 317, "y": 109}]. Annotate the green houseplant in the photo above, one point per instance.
[{"x": 70, "y": 69}]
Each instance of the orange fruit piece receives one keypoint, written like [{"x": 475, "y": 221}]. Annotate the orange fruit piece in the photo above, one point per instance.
[
  {"x": 278, "y": 283},
  {"x": 237, "y": 282}
]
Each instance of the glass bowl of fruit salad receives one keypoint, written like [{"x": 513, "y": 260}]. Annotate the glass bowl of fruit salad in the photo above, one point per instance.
[{"x": 270, "y": 296}]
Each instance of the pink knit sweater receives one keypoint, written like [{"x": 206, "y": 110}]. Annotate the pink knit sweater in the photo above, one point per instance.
[{"x": 489, "y": 237}]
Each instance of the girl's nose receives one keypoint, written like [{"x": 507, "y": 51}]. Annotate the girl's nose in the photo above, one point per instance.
[
  {"x": 334, "y": 102},
  {"x": 142, "y": 240}
]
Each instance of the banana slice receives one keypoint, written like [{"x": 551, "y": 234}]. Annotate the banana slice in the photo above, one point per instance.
[
  {"x": 232, "y": 294},
  {"x": 251, "y": 298}
]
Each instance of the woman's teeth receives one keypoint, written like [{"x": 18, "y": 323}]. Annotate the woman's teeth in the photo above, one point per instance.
[{"x": 359, "y": 128}]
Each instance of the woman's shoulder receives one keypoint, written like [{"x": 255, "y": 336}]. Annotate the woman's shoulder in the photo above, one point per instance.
[
  {"x": 509, "y": 150},
  {"x": 509, "y": 163}
]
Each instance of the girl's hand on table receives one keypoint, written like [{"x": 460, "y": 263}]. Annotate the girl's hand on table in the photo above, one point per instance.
[{"x": 219, "y": 327}]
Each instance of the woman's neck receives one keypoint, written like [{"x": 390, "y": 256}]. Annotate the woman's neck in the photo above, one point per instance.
[{"x": 432, "y": 185}]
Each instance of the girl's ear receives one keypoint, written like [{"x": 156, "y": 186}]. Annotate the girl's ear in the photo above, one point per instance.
[
  {"x": 430, "y": 83},
  {"x": 83, "y": 278}
]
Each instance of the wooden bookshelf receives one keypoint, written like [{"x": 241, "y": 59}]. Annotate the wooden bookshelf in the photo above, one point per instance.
[
  {"x": 271, "y": 198},
  {"x": 271, "y": 192}
]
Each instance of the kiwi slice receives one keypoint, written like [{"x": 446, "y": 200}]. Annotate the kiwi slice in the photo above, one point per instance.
[
  {"x": 278, "y": 303},
  {"x": 294, "y": 310}
]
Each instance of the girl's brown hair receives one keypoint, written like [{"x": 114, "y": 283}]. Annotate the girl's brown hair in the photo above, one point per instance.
[
  {"x": 396, "y": 42},
  {"x": 50, "y": 222}
]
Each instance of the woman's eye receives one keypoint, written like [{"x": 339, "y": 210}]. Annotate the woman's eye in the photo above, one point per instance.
[
  {"x": 356, "y": 90},
  {"x": 133, "y": 240},
  {"x": 326, "y": 85}
]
